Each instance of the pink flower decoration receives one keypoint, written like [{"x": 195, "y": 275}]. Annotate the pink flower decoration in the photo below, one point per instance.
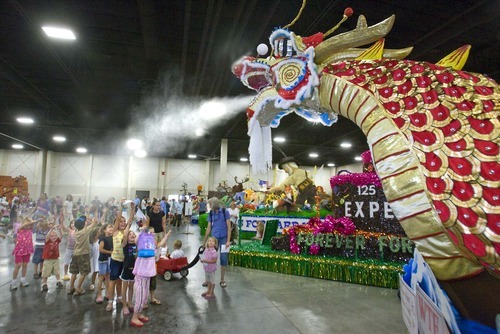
[{"x": 314, "y": 249}]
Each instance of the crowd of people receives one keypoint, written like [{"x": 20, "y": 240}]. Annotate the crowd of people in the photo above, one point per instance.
[{"x": 112, "y": 245}]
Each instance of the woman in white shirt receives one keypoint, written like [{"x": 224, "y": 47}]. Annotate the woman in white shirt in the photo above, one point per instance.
[
  {"x": 234, "y": 216},
  {"x": 68, "y": 209}
]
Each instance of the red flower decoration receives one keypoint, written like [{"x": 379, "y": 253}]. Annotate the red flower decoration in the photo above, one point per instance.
[
  {"x": 423, "y": 81},
  {"x": 426, "y": 138},
  {"x": 492, "y": 195},
  {"x": 483, "y": 90},
  {"x": 452, "y": 128},
  {"x": 348, "y": 11},
  {"x": 429, "y": 97},
  {"x": 385, "y": 92},
  {"x": 457, "y": 146},
  {"x": 493, "y": 222}
]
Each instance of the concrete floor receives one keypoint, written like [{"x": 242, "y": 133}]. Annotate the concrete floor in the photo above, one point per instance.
[{"x": 254, "y": 302}]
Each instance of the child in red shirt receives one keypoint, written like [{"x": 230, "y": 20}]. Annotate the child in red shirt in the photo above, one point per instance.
[{"x": 50, "y": 257}]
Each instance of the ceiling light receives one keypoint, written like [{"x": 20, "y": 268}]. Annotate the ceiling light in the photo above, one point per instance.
[
  {"x": 134, "y": 144},
  {"x": 192, "y": 156},
  {"x": 313, "y": 155},
  {"x": 345, "y": 145},
  {"x": 59, "y": 139},
  {"x": 279, "y": 139},
  {"x": 331, "y": 164},
  {"x": 25, "y": 120},
  {"x": 199, "y": 132},
  {"x": 140, "y": 153},
  {"x": 81, "y": 150},
  {"x": 17, "y": 146},
  {"x": 244, "y": 159},
  {"x": 61, "y": 33},
  {"x": 357, "y": 158}
]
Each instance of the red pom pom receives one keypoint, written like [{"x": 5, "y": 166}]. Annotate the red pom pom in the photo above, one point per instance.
[{"x": 348, "y": 11}]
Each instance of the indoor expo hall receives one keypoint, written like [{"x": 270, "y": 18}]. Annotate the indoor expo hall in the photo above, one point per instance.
[{"x": 254, "y": 301}]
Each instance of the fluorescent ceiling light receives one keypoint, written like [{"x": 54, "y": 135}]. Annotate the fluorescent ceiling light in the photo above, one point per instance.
[
  {"x": 140, "y": 153},
  {"x": 81, "y": 150},
  {"x": 346, "y": 145},
  {"x": 279, "y": 139},
  {"x": 199, "y": 132},
  {"x": 25, "y": 120},
  {"x": 192, "y": 156},
  {"x": 17, "y": 146},
  {"x": 313, "y": 155},
  {"x": 61, "y": 33},
  {"x": 244, "y": 159},
  {"x": 331, "y": 164},
  {"x": 59, "y": 138},
  {"x": 357, "y": 158}
]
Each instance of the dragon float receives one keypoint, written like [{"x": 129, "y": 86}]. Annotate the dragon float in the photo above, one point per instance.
[{"x": 433, "y": 131}]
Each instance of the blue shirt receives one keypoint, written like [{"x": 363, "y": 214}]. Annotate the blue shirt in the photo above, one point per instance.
[
  {"x": 219, "y": 225},
  {"x": 163, "y": 206}
]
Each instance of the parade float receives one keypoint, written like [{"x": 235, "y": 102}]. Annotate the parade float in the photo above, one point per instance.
[{"x": 433, "y": 131}]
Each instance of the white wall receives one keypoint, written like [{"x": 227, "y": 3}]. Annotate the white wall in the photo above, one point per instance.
[{"x": 87, "y": 176}]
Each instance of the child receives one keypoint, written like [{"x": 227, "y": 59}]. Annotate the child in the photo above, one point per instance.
[
  {"x": 178, "y": 252},
  {"x": 80, "y": 263},
  {"x": 94, "y": 255},
  {"x": 70, "y": 246},
  {"x": 144, "y": 269},
  {"x": 209, "y": 261},
  {"x": 22, "y": 251},
  {"x": 117, "y": 257},
  {"x": 127, "y": 276},
  {"x": 51, "y": 258},
  {"x": 41, "y": 230},
  {"x": 105, "y": 250}
]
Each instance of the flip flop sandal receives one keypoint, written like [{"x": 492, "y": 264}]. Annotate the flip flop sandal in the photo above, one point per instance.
[
  {"x": 205, "y": 284},
  {"x": 98, "y": 300},
  {"x": 155, "y": 302},
  {"x": 136, "y": 324},
  {"x": 223, "y": 284},
  {"x": 144, "y": 319},
  {"x": 209, "y": 296},
  {"x": 203, "y": 294}
]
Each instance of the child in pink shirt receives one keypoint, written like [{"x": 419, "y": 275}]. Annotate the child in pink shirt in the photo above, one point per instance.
[{"x": 22, "y": 252}]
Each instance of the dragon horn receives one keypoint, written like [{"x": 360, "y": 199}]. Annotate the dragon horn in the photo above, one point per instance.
[
  {"x": 298, "y": 15},
  {"x": 347, "y": 13}
]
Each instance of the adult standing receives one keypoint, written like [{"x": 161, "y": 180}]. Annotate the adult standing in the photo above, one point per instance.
[
  {"x": 202, "y": 207},
  {"x": 157, "y": 220},
  {"x": 176, "y": 211},
  {"x": 144, "y": 204},
  {"x": 68, "y": 210},
  {"x": 219, "y": 227},
  {"x": 234, "y": 215},
  {"x": 42, "y": 207}
]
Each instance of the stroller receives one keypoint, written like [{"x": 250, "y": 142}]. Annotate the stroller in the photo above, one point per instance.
[{"x": 167, "y": 267}]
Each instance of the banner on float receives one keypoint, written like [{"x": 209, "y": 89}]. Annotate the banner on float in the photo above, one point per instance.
[
  {"x": 249, "y": 223},
  {"x": 430, "y": 318}
]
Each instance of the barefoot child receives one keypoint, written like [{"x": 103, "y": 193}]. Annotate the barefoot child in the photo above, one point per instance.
[
  {"x": 41, "y": 231},
  {"x": 51, "y": 258},
  {"x": 209, "y": 261}
]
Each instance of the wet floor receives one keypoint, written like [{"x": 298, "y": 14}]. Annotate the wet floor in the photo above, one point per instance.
[{"x": 254, "y": 301}]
